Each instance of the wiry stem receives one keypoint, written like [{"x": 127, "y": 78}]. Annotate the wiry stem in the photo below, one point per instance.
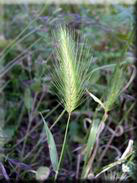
[
  {"x": 63, "y": 146},
  {"x": 57, "y": 119}
]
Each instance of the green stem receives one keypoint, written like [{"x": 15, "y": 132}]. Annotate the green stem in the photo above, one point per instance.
[
  {"x": 63, "y": 147},
  {"x": 90, "y": 144},
  {"x": 57, "y": 119}
]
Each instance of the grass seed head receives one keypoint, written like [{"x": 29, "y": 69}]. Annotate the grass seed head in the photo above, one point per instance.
[{"x": 70, "y": 73}]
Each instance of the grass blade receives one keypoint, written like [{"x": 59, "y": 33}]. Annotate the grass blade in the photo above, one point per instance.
[
  {"x": 96, "y": 99},
  {"x": 90, "y": 144},
  {"x": 52, "y": 145}
]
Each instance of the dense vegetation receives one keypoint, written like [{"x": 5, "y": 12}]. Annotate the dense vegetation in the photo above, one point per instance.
[{"x": 33, "y": 119}]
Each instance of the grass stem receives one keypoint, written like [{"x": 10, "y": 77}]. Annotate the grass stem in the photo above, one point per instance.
[{"x": 63, "y": 147}]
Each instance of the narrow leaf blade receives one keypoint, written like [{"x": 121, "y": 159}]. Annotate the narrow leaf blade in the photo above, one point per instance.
[
  {"x": 51, "y": 144},
  {"x": 96, "y": 99}
]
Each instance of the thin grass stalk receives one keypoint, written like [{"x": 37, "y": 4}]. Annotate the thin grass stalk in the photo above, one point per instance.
[
  {"x": 63, "y": 147},
  {"x": 11, "y": 45},
  {"x": 57, "y": 119},
  {"x": 2, "y": 96},
  {"x": 30, "y": 114},
  {"x": 16, "y": 60}
]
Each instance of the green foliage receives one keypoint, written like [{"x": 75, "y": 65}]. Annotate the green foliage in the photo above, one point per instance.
[
  {"x": 28, "y": 99},
  {"x": 52, "y": 146},
  {"x": 90, "y": 144},
  {"x": 25, "y": 65}
]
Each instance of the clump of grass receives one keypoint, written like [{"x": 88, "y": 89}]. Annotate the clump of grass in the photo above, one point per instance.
[
  {"x": 114, "y": 89},
  {"x": 70, "y": 75}
]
